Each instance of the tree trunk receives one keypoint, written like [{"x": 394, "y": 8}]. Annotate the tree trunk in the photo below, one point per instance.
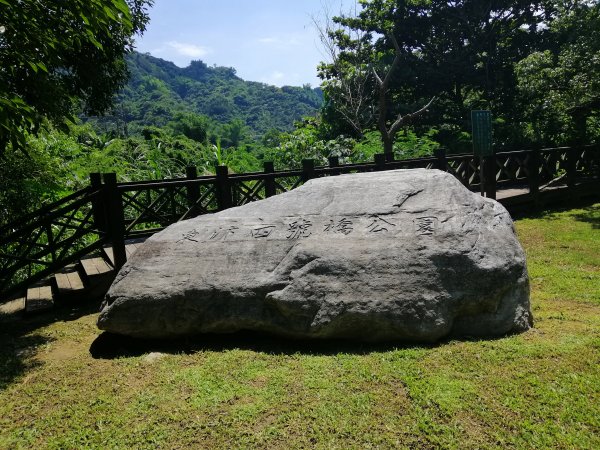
[
  {"x": 388, "y": 146},
  {"x": 386, "y": 138}
]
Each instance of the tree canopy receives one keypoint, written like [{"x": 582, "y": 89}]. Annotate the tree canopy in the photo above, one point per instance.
[
  {"x": 59, "y": 57},
  {"x": 503, "y": 55},
  {"x": 560, "y": 85}
]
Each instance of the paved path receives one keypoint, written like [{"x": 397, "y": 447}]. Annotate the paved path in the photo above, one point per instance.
[{"x": 506, "y": 193}]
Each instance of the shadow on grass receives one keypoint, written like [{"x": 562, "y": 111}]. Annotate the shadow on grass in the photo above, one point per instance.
[
  {"x": 590, "y": 214},
  {"x": 20, "y": 341},
  {"x": 110, "y": 346}
]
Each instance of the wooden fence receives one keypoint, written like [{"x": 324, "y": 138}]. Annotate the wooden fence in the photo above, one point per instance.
[{"x": 110, "y": 213}]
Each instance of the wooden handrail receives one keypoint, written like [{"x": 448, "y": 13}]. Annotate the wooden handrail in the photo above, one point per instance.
[{"x": 224, "y": 191}]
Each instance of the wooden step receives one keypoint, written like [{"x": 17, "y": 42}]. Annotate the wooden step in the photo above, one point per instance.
[
  {"x": 130, "y": 248},
  {"x": 89, "y": 278},
  {"x": 68, "y": 284},
  {"x": 95, "y": 267},
  {"x": 13, "y": 306},
  {"x": 39, "y": 298},
  {"x": 69, "y": 281}
]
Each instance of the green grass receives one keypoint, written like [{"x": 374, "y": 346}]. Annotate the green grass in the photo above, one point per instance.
[{"x": 540, "y": 389}]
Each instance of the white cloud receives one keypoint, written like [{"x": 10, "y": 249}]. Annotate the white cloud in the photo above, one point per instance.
[
  {"x": 281, "y": 41},
  {"x": 180, "y": 53},
  {"x": 191, "y": 50},
  {"x": 274, "y": 78}
]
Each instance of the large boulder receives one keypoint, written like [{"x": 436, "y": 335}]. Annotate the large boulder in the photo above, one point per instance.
[{"x": 401, "y": 255}]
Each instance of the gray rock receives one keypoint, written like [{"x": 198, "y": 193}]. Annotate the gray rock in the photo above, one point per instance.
[{"x": 401, "y": 255}]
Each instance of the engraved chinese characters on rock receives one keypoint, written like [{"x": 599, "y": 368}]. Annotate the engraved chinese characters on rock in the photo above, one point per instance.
[
  {"x": 222, "y": 233},
  {"x": 299, "y": 228},
  {"x": 189, "y": 236},
  {"x": 426, "y": 225},
  {"x": 262, "y": 231},
  {"x": 379, "y": 224},
  {"x": 342, "y": 226}
]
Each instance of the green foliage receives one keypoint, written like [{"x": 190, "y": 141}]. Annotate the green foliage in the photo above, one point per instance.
[
  {"x": 238, "y": 159},
  {"x": 560, "y": 87},
  {"x": 409, "y": 145},
  {"x": 60, "y": 163},
  {"x": 233, "y": 133},
  {"x": 306, "y": 142},
  {"x": 191, "y": 125},
  {"x": 406, "y": 146},
  {"x": 57, "y": 56},
  {"x": 368, "y": 146},
  {"x": 271, "y": 138},
  {"x": 309, "y": 141},
  {"x": 29, "y": 181}
]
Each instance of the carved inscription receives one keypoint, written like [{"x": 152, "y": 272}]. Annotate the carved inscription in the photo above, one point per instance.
[
  {"x": 299, "y": 229},
  {"x": 303, "y": 227},
  {"x": 189, "y": 236},
  {"x": 426, "y": 225},
  {"x": 223, "y": 233},
  {"x": 342, "y": 226},
  {"x": 261, "y": 232},
  {"x": 378, "y": 225}
]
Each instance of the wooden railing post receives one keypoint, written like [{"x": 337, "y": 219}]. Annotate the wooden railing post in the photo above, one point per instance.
[
  {"x": 380, "y": 160},
  {"x": 593, "y": 160},
  {"x": 308, "y": 169},
  {"x": 533, "y": 172},
  {"x": 97, "y": 208},
  {"x": 488, "y": 176},
  {"x": 270, "y": 188},
  {"x": 572, "y": 156},
  {"x": 193, "y": 189},
  {"x": 334, "y": 161},
  {"x": 115, "y": 217},
  {"x": 441, "y": 163},
  {"x": 223, "y": 185}
]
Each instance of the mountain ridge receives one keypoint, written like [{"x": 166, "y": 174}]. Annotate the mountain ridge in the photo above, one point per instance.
[{"x": 158, "y": 90}]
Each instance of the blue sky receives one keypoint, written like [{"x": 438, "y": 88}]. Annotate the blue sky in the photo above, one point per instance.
[{"x": 271, "y": 41}]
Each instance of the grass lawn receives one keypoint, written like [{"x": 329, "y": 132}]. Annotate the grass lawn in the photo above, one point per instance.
[{"x": 540, "y": 389}]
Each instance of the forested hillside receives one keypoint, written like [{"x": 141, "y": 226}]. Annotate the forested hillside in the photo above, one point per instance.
[
  {"x": 400, "y": 77},
  {"x": 158, "y": 92}
]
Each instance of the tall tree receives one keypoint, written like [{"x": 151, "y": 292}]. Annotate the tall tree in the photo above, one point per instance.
[
  {"x": 463, "y": 51},
  {"x": 389, "y": 129},
  {"x": 358, "y": 77},
  {"x": 347, "y": 75},
  {"x": 471, "y": 53},
  {"x": 57, "y": 57},
  {"x": 560, "y": 86}
]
